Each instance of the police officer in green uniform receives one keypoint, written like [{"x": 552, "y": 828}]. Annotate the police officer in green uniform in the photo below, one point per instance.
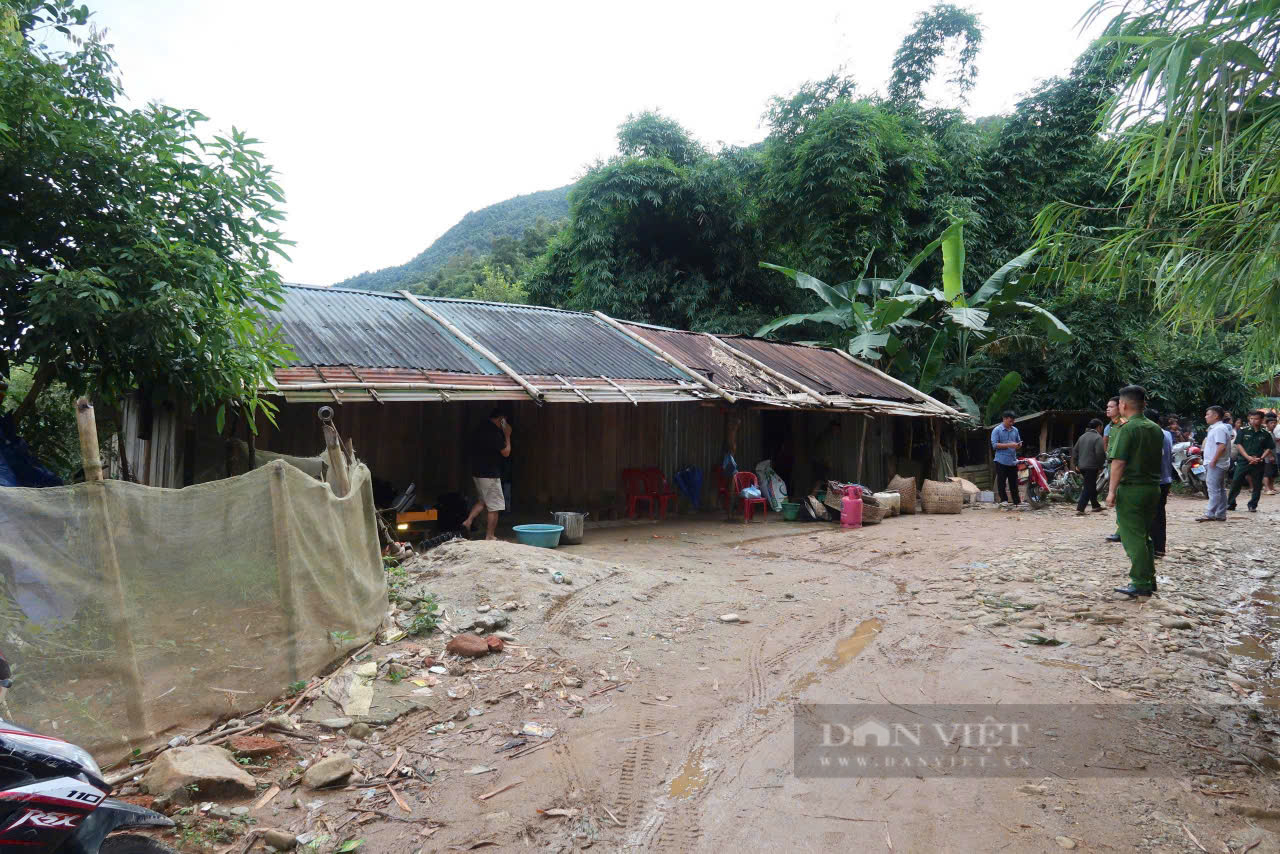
[
  {"x": 1255, "y": 446},
  {"x": 1135, "y": 451}
]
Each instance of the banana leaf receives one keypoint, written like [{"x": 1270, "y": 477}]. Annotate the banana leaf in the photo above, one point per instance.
[
  {"x": 836, "y": 316},
  {"x": 953, "y": 262},
  {"x": 1001, "y": 395},
  {"x": 831, "y": 296},
  {"x": 1007, "y": 273},
  {"x": 963, "y": 401}
]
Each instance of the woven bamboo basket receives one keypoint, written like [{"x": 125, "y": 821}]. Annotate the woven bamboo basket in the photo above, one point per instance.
[
  {"x": 938, "y": 497},
  {"x": 873, "y": 514},
  {"x": 906, "y": 487}
]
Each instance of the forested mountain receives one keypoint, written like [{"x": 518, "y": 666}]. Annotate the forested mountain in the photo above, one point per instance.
[{"x": 474, "y": 234}]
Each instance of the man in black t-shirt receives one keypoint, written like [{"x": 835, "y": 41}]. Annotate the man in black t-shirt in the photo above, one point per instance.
[{"x": 490, "y": 445}]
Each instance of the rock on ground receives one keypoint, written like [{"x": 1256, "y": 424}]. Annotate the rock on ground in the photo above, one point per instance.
[
  {"x": 328, "y": 771},
  {"x": 469, "y": 645},
  {"x": 210, "y": 770}
]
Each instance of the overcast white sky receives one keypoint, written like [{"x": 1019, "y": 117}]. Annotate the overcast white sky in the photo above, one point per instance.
[{"x": 388, "y": 122}]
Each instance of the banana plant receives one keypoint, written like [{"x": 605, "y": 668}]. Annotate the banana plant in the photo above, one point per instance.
[{"x": 873, "y": 315}]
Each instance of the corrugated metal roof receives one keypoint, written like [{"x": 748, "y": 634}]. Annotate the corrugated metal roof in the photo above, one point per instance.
[
  {"x": 336, "y": 326},
  {"x": 373, "y": 344},
  {"x": 696, "y": 351},
  {"x": 537, "y": 340},
  {"x": 821, "y": 369}
]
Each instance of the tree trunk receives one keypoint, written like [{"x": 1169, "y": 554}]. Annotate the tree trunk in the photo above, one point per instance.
[{"x": 39, "y": 382}]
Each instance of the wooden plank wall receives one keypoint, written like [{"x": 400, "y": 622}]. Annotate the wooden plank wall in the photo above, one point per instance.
[{"x": 568, "y": 455}]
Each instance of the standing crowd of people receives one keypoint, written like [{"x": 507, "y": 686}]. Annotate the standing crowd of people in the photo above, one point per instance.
[{"x": 1136, "y": 454}]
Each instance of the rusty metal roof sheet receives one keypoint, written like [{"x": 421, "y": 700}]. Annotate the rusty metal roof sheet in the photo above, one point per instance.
[
  {"x": 823, "y": 370},
  {"x": 336, "y": 326},
  {"x": 697, "y": 352}
]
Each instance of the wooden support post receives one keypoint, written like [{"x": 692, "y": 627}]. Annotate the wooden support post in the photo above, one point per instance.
[
  {"x": 1044, "y": 435},
  {"x": 862, "y": 449},
  {"x": 341, "y": 483},
  {"x": 109, "y": 567},
  {"x": 284, "y": 578},
  {"x": 666, "y": 357}
]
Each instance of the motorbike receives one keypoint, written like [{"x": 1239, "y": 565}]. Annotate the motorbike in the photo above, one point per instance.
[
  {"x": 1031, "y": 477},
  {"x": 1188, "y": 464},
  {"x": 1058, "y": 472},
  {"x": 53, "y": 799}
]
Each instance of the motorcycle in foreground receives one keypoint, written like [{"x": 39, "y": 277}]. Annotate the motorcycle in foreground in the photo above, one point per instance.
[
  {"x": 1188, "y": 464},
  {"x": 53, "y": 799},
  {"x": 1031, "y": 477}
]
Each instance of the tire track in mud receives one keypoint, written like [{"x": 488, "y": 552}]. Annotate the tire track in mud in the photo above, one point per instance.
[
  {"x": 557, "y": 614},
  {"x": 676, "y": 824},
  {"x": 635, "y": 775}
]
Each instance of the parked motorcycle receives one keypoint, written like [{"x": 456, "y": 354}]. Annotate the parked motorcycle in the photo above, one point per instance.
[
  {"x": 1058, "y": 472},
  {"x": 53, "y": 799},
  {"x": 1031, "y": 478},
  {"x": 1188, "y": 464}
]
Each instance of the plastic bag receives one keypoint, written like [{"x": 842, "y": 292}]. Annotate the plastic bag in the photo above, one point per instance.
[{"x": 752, "y": 492}]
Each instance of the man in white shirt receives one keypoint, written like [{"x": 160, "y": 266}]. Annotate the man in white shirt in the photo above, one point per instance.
[
  {"x": 1272, "y": 467},
  {"x": 1217, "y": 461}
]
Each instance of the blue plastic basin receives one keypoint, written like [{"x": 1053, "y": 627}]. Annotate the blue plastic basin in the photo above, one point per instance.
[{"x": 542, "y": 536}]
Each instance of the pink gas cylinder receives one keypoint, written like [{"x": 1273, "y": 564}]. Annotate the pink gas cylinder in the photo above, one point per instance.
[{"x": 851, "y": 508}]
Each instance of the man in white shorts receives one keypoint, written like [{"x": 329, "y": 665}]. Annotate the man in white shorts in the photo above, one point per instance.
[{"x": 489, "y": 446}]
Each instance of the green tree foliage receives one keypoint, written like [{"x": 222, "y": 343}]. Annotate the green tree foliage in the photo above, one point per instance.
[
  {"x": 474, "y": 276},
  {"x": 134, "y": 252},
  {"x": 476, "y": 233},
  {"x": 1119, "y": 340},
  {"x": 50, "y": 424},
  {"x": 916, "y": 61},
  {"x": 1197, "y": 126},
  {"x": 666, "y": 233}
]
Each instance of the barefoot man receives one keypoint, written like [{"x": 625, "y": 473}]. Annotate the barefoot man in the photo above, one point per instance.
[{"x": 490, "y": 444}]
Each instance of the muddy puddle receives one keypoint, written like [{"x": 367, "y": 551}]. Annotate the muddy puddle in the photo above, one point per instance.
[
  {"x": 847, "y": 649},
  {"x": 1260, "y": 612},
  {"x": 692, "y": 777}
]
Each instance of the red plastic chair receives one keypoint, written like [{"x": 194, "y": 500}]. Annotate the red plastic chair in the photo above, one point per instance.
[
  {"x": 635, "y": 482},
  {"x": 655, "y": 484},
  {"x": 741, "y": 481},
  {"x": 722, "y": 494}
]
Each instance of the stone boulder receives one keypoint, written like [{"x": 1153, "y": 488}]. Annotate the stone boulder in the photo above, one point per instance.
[
  {"x": 325, "y": 772},
  {"x": 201, "y": 772}
]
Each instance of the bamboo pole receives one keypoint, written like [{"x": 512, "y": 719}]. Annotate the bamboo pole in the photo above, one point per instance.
[
  {"x": 776, "y": 374},
  {"x": 665, "y": 356},
  {"x": 284, "y": 577},
  {"x": 625, "y": 393},
  {"x": 475, "y": 345},
  {"x": 337, "y": 461},
  {"x": 109, "y": 566},
  {"x": 573, "y": 388}
]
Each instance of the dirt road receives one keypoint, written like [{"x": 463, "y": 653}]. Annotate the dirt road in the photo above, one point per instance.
[{"x": 673, "y": 729}]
